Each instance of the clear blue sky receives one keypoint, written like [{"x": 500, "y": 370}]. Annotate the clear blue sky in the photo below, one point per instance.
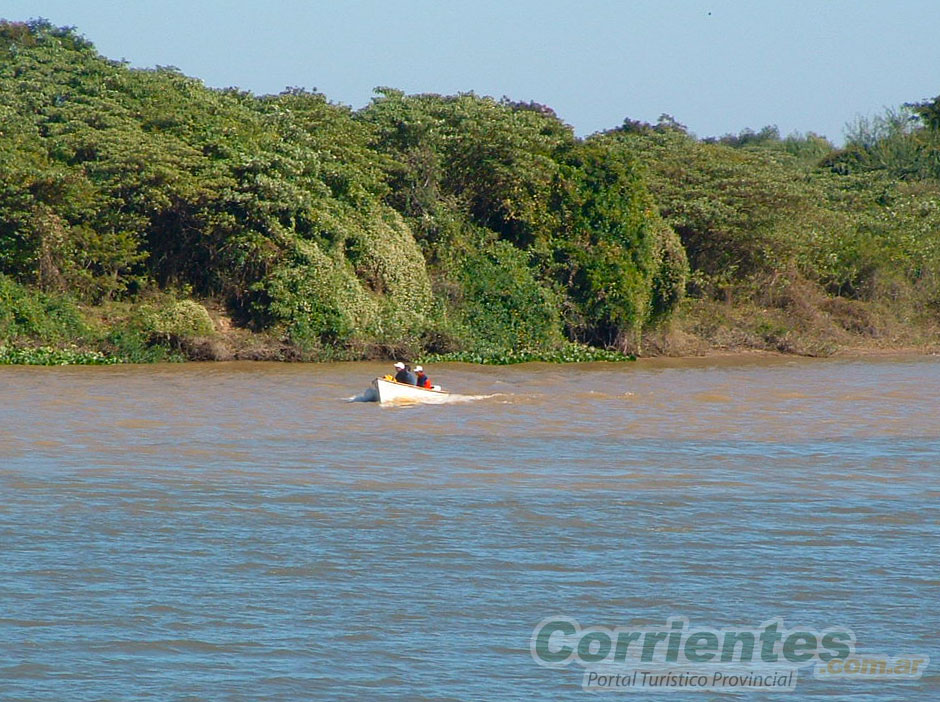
[{"x": 717, "y": 66}]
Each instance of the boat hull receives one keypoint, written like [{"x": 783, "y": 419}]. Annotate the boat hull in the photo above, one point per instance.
[{"x": 389, "y": 391}]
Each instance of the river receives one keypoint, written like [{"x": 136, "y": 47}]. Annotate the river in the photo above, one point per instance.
[{"x": 244, "y": 531}]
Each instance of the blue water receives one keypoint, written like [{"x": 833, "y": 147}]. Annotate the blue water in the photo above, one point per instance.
[{"x": 244, "y": 532}]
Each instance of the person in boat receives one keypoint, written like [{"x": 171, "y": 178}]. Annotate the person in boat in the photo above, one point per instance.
[
  {"x": 404, "y": 375},
  {"x": 423, "y": 380}
]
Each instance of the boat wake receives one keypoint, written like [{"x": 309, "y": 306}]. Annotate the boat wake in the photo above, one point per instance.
[
  {"x": 455, "y": 398},
  {"x": 367, "y": 395}
]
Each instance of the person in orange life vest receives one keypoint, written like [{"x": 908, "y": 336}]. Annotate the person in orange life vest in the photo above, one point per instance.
[{"x": 423, "y": 380}]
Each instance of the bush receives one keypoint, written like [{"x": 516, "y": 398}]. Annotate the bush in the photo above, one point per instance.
[
  {"x": 178, "y": 320},
  {"x": 500, "y": 302},
  {"x": 28, "y": 315}
]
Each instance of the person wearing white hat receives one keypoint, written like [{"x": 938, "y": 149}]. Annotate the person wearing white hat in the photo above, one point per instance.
[
  {"x": 404, "y": 374},
  {"x": 423, "y": 381}
]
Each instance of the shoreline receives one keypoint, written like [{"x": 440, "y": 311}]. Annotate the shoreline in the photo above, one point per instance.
[
  {"x": 848, "y": 352},
  {"x": 709, "y": 357}
]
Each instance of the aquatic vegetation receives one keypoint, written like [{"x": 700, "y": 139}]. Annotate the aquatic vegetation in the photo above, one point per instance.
[
  {"x": 48, "y": 356},
  {"x": 568, "y": 353}
]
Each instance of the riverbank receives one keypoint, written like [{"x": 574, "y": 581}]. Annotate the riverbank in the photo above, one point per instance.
[
  {"x": 701, "y": 330},
  {"x": 818, "y": 327}
]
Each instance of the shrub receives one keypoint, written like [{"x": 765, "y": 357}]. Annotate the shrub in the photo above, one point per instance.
[
  {"x": 178, "y": 320},
  {"x": 31, "y": 315},
  {"x": 501, "y": 302}
]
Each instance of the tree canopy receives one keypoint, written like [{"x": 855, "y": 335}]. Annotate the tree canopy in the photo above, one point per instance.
[{"x": 425, "y": 223}]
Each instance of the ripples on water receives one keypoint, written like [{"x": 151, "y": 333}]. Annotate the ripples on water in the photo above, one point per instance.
[{"x": 239, "y": 531}]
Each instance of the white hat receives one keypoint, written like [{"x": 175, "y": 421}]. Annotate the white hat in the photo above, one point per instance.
[
  {"x": 399, "y": 365},
  {"x": 418, "y": 369}
]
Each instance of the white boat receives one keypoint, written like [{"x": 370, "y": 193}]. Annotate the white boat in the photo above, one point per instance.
[{"x": 389, "y": 390}]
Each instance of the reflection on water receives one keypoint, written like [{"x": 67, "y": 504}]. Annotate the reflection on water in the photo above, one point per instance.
[{"x": 243, "y": 531}]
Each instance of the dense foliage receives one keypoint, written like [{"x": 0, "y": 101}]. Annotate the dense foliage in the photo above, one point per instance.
[
  {"x": 431, "y": 222},
  {"x": 141, "y": 213},
  {"x": 794, "y": 243}
]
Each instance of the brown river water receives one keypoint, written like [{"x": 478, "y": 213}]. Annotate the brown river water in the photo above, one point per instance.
[{"x": 248, "y": 531}]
